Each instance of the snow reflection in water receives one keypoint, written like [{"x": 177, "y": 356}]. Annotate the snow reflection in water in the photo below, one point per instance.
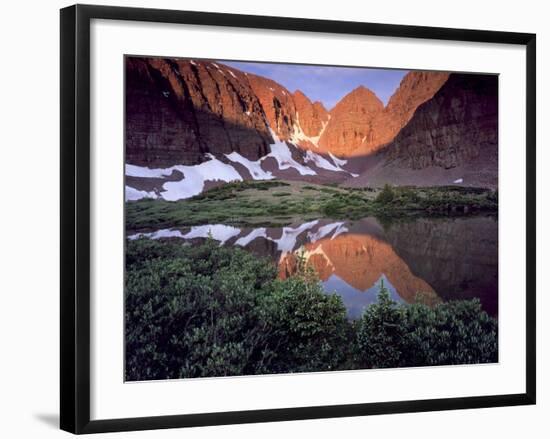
[{"x": 444, "y": 259}]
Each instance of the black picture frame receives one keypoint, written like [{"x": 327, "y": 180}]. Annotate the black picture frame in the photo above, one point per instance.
[{"x": 75, "y": 217}]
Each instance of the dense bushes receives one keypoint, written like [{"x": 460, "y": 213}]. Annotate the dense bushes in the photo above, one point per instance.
[
  {"x": 190, "y": 313},
  {"x": 439, "y": 200},
  {"x": 386, "y": 195},
  {"x": 206, "y": 310},
  {"x": 308, "y": 327},
  {"x": 211, "y": 311},
  {"x": 459, "y": 332},
  {"x": 227, "y": 191}
]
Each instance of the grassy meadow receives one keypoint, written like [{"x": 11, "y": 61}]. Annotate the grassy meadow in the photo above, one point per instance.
[{"x": 276, "y": 203}]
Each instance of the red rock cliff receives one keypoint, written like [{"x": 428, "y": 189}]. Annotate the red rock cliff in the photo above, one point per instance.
[
  {"x": 457, "y": 125},
  {"x": 178, "y": 110},
  {"x": 351, "y": 122},
  {"x": 415, "y": 89},
  {"x": 277, "y": 103},
  {"x": 355, "y": 131},
  {"x": 312, "y": 116}
]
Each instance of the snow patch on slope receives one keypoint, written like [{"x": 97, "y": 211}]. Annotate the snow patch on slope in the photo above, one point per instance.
[
  {"x": 133, "y": 194},
  {"x": 298, "y": 134},
  {"x": 341, "y": 162},
  {"x": 281, "y": 153},
  {"x": 336, "y": 160},
  {"x": 321, "y": 162},
  {"x": 254, "y": 167},
  {"x": 144, "y": 172},
  {"x": 193, "y": 178}
]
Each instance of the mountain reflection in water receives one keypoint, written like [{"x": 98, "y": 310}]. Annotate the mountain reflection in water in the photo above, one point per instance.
[{"x": 443, "y": 259}]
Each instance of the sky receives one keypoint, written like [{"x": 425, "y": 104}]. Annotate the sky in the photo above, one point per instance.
[{"x": 326, "y": 84}]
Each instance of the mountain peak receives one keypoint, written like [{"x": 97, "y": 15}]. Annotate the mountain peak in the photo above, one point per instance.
[
  {"x": 312, "y": 117},
  {"x": 300, "y": 95},
  {"x": 360, "y": 98},
  {"x": 361, "y": 89},
  {"x": 320, "y": 107},
  {"x": 277, "y": 103},
  {"x": 358, "y": 124},
  {"x": 350, "y": 124},
  {"x": 416, "y": 88}
]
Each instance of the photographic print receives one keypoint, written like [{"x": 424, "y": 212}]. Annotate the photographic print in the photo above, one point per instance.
[{"x": 285, "y": 218}]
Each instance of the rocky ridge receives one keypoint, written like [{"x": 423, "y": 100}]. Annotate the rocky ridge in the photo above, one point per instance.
[
  {"x": 351, "y": 122},
  {"x": 451, "y": 139},
  {"x": 178, "y": 110},
  {"x": 189, "y": 116},
  {"x": 453, "y": 127},
  {"x": 361, "y": 125}
]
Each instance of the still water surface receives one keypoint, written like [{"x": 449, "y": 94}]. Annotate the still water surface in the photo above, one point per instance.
[{"x": 443, "y": 259}]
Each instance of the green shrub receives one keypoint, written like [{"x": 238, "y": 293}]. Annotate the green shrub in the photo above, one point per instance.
[
  {"x": 281, "y": 194},
  {"x": 386, "y": 195},
  {"x": 309, "y": 327},
  {"x": 334, "y": 207},
  {"x": 190, "y": 312},
  {"x": 408, "y": 195},
  {"x": 205, "y": 310},
  {"x": 195, "y": 311},
  {"x": 381, "y": 332},
  {"x": 456, "y": 332}
]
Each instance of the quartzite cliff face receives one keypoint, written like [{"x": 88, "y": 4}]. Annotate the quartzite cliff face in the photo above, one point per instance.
[
  {"x": 360, "y": 125},
  {"x": 178, "y": 110},
  {"x": 277, "y": 104},
  {"x": 351, "y": 123},
  {"x": 312, "y": 120},
  {"x": 415, "y": 89},
  {"x": 187, "y": 112},
  {"x": 452, "y": 128},
  {"x": 451, "y": 139}
]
